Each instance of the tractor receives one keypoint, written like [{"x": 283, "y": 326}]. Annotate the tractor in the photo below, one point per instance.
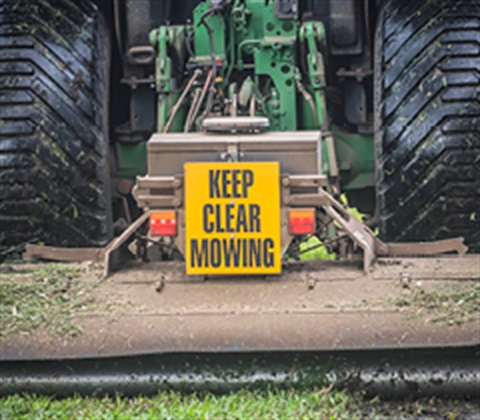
[
  {"x": 216, "y": 141},
  {"x": 374, "y": 103}
]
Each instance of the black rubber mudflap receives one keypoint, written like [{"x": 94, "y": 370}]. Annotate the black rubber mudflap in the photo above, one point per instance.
[
  {"x": 428, "y": 120},
  {"x": 54, "y": 183}
]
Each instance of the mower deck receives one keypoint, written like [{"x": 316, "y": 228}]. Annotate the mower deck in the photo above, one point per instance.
[{"x": 156, "y": 308}]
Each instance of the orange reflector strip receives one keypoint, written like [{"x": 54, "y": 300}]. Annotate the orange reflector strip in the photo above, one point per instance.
[
  {"x": 301, "y": 221},
  {"x": 163, "y": 223}
]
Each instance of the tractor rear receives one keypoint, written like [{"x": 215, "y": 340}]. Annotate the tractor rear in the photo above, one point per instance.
[
  {"x": 244, "y": 165},
  {"x": 245, "y": 129},
  {"x": 390, "y": 87}
]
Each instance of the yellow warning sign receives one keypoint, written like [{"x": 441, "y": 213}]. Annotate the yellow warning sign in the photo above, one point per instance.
[{"x": 232, "y": 218}]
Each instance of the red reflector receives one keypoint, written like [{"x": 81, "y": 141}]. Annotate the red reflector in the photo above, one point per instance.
[
  {"x": 163, "y": 223},
  {"x": 301, "y": 221}
]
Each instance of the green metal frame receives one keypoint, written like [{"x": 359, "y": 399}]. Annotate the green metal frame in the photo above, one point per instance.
[
  {"x": 311, "y": 33},
  {"x": 249, "y": 40},
  {"x": 163, "y": 38}
]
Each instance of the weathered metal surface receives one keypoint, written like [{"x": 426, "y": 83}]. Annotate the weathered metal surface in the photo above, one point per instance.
[
  {"x": 297, "y": 152},
  {"x": 425, "y": 248},
  {"x": 53, "y": 253},
  {"x": 116, "y": 253},
  {"x": 412, "y": 373},
  {"x": 311, "y": 306},
  {"x": 228, "y": 124},
  {"x": 304, "y": 181}
]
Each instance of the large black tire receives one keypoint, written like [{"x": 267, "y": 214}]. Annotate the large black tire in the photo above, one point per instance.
[
  {"x": 54, "y": 177},
  {"x": 427, "y": 134}
]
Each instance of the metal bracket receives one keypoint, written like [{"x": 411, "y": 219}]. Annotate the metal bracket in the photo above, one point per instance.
[
  {"x": 373, "y": 247},
  {"x": 113, "y": 255},
  {"x": 116, "y": 251},
  {"x": 53, "y": 253},
  {"x": 232, "y": 153}
]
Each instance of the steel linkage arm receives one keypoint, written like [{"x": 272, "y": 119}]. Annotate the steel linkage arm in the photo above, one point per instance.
[{"x": 373, "y": 247}]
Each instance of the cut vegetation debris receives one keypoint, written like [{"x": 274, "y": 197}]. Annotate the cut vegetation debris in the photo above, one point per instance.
[
  {"x": 44, "y": 296},
  {"x": 453, "y": 304}
]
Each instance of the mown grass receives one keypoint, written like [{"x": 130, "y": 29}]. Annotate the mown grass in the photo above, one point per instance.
[
  {"x": 448, "y": 305},
  {"x": 262, "y": 404},
  {"x": 42, "y": 296}
]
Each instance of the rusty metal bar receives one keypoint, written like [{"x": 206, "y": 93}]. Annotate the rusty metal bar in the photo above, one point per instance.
[
  {"x": 305, "y": 200},
  {"x": 161, "y": 182},
  {"x": 52, "y": 253},
  {"x": 305, "y": 181},
  {"x": 115, "y": 252},
  {"x": 425, "y": 248},
  {"x": 151, "y": 201}
]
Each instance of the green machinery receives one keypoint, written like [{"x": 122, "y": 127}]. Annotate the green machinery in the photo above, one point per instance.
[
  {"x": 238, "y": 127},
  {"x": 247, "y": 61},
  {"x": 239, "y": 106},
  {"x": 390, "y": 87},
  {"x": 235, "y": 70}
]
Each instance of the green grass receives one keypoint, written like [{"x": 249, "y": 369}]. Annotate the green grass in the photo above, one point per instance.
[
  {"x": 44, "y": 296},
  {"x": 447, "y": 305},
  {"x": 262, "y": 404}
]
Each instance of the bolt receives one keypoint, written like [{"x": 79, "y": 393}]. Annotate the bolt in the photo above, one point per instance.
[
  {"x": 124, "y": 186},
  {"x": 405, "y": 280},
  {"x": 160, "y": 285}
]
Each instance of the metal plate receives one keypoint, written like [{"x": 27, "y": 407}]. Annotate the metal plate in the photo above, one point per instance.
[
  {"x": 232, "y": 218},
  {"x": 311, "y": 306},
  {"x": 298, "y": 152}
]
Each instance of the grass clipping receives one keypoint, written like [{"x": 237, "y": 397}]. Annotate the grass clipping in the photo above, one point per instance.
[
  {"x": 44, "y": 296},
  {"x": 455, "y": 304}
]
